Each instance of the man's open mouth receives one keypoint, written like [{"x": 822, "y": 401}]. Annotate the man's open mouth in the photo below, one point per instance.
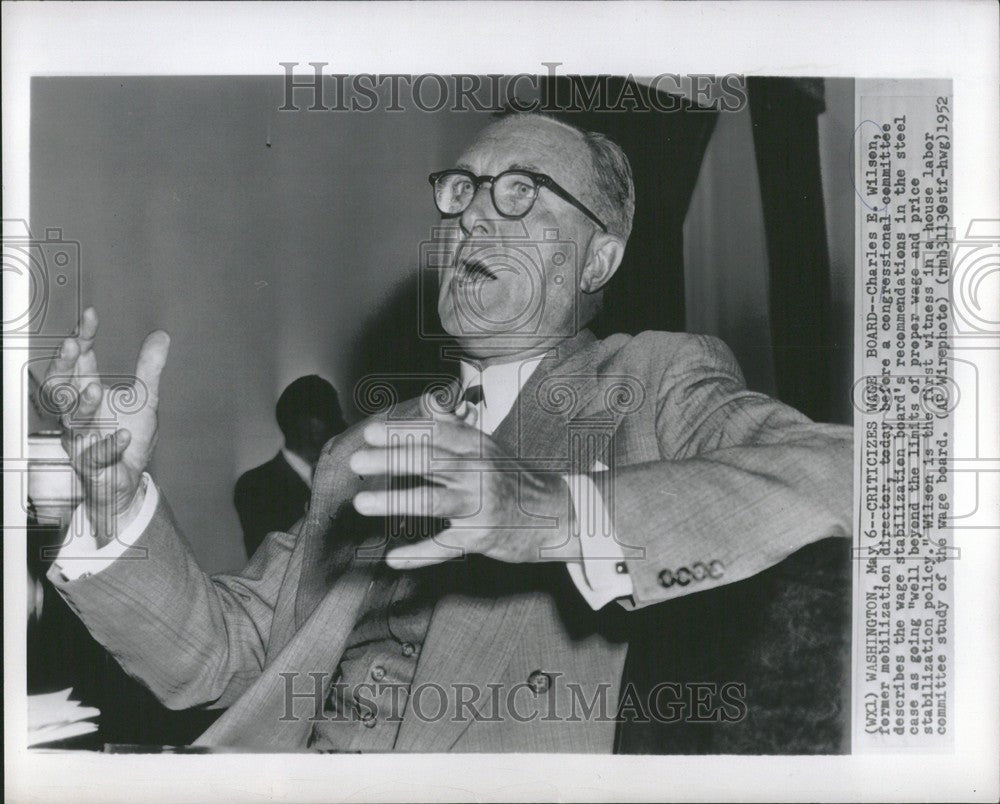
[{"x": 471, "y": 269}]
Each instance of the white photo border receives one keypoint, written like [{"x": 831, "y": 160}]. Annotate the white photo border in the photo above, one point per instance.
[{"x": 823, "y": 39}]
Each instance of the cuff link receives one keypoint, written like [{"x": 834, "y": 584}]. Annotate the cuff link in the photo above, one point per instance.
[{"x": 621, "y": 568}]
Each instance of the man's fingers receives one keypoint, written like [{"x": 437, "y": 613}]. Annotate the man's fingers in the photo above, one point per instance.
[
  {"x": 87, "y": 330},
  {"x": 75, "y": 357},
  {"x": 57, "y": 392},
  {"x": 90, "y": 401},
  {"x": 467, "y": 414},
  {"x": 65, "y": 359},
  {"x": 424, "y": 554},
  {"x": 449, "y": 434},
  {"x": 407, "y": 461},
  {"x": 86, "y": 363},
  {"x": 437, "y": 405},
  {"x": 413, "y": 460},
  {"x": 100, "y": 453},
  {"x": 152, "y": 358},
  {"x": 426, "y": 501}
]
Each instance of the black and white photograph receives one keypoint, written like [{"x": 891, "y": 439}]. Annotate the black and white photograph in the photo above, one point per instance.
[{"x": 592, "y": 413}]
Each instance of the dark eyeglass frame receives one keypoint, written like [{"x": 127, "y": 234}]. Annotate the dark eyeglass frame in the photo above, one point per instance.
[{"x": 540, "y": 179}]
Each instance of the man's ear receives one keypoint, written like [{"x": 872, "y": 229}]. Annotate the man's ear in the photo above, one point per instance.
[{"x": 604, "y": 255}]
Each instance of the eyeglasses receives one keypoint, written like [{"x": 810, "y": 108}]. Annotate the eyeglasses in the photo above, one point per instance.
[{"x": 513, "y": 192}]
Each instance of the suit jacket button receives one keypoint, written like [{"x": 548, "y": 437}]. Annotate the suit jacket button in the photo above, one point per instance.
[
  {"x": 715, "y": 569},
  {"x": 408, "y": 649},
  {"x": 539, "y": 682},
  {"x": 699, "y": 571},
  {"x": 666, "y": 579},
  {"x": 683, "y": 576}
]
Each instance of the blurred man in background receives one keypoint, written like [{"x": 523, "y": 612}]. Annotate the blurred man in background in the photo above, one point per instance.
[{"x": 274, "y": 495}]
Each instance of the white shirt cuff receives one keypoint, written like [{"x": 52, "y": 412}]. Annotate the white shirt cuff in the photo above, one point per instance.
[
  {"x": 80, "y": 556},
  {"x": 603, "y": 574}
]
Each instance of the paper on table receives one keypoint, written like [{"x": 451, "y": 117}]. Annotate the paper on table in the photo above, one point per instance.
[
  {"x": 50, "y": 734},
  {"x": 54, "y": 716}
]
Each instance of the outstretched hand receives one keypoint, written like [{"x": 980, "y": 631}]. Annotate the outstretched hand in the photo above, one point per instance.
[
  {"x": 108, "y": 431},
  {"x": 495, "y": 505}
]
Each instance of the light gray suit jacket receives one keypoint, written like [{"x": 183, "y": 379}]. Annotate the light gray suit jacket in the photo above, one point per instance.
[{"x": 708, "y": 481}]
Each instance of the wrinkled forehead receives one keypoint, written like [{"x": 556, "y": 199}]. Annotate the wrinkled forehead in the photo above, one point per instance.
[{"x": 535, "y": 143}]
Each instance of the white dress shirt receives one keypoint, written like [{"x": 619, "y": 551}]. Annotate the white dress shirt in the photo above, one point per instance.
[
  {"x": 600, "y": 577},
  {"x": 299, "y": 465}
]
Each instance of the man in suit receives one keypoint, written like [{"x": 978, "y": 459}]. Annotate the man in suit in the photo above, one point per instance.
[
  {"x": 468, "y": 559},
  {"x": 274, "y": 495}
]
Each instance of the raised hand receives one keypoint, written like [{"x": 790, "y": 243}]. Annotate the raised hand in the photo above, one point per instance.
[
  {"x": 109, "y": 431},
  {"x": 496, "y": 506}
]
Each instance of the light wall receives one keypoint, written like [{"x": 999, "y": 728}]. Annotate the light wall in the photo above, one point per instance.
[{"x": 267, "y": 243}]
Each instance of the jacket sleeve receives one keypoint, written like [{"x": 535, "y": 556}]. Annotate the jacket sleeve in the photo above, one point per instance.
[
  {"x": 743, "y": 480},
  {"x": 191, "y": 638}
]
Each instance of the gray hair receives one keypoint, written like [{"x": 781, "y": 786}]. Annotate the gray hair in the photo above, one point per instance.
[
  {"x": 612, "y": 174},
  {"x": 613, "y": 181}
]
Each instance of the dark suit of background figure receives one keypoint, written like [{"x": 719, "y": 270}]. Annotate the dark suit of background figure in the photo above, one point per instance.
[
  {"x": 268, "y": 498},
  {"x": 273, "y": 496}
]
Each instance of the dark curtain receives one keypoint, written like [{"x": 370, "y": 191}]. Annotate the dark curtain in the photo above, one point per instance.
[
  {"x": 783, "y": 636},
  {"x": 786, "y": 141},
  {"x": 666, "y": 150}
]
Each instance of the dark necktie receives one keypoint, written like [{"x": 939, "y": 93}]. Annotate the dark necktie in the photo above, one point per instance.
[{"x": 473, "y": 395}]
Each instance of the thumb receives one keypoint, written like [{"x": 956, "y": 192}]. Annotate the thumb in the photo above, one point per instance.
[
  {"x": 152, "y": 359},
  {"x": 467, "y": 414},
  {"x": 423, "y": 554},
  {"x": 437, "y": 404},
  {"x": 104, "y": 452}
]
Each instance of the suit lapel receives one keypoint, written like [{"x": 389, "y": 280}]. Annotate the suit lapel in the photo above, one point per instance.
[
  {"x": 544, "y": 427},
  {"x": 341, "y": 550},
  {"x": 334, "y": 529},
  {"x": 470, "y": 636}
]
